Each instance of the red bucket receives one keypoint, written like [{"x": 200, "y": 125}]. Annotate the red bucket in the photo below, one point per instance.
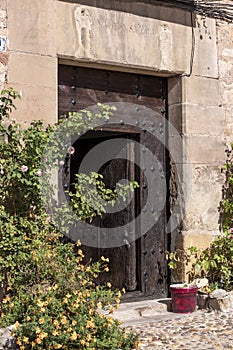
[{"x": 184, "y": 299}]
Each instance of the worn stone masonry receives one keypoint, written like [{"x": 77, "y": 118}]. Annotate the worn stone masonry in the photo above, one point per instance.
[
  {"x": 225, "y": 57},
  {"x": 3, "y": 38}
]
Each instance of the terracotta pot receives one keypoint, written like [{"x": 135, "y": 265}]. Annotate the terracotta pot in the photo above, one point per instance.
[{"x": 184, "y": 298}]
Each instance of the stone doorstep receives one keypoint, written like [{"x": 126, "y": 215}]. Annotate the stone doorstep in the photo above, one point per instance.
[
  {"x": 145, "y": 312},
  {"x": 160, "y": 309},
  {"x": 128, "y": 311},
  {"x": 135, "y": 312}
]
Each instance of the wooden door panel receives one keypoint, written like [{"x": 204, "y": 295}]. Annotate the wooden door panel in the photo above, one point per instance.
[
  {"x": 79, "y": 91},
  {"x": 122, "y": 260}
]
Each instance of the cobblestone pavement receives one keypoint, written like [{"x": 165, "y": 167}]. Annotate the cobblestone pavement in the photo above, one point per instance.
[{"x": 200, "y": 330}]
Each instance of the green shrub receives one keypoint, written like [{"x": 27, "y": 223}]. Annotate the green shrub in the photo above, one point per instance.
[
  {"x": 58, "y": 305},
  {"x": 46, "y": 290},
  {"x": 226, "y": 205},
  {"x": 216, "y": 262}
]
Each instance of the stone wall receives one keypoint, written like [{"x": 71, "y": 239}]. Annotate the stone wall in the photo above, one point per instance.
[
  {"x": 199, "y": 115},
  {"x": 225, "y": 60},
  {"x": 33, "y": 58},
  {"x": 3, "y": 38}
]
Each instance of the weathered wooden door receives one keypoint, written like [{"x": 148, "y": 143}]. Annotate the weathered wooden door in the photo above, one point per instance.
[
  {"x": 122, "y": 260},
  {"x": 141, "y": 265}
]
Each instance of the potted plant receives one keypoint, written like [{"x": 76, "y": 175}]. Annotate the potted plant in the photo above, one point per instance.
[{"x": 183, "y": 297}]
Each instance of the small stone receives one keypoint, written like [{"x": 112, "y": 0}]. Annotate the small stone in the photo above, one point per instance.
[
  {"x": 218, "y": 294},
  {"x": 6, "y": 340},
  {"x": 200, "y": 282}
]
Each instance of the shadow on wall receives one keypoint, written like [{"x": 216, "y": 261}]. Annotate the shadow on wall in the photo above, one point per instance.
[{"x": 144, "y": 8}]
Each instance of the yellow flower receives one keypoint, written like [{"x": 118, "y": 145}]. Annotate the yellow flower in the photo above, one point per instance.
[
  {"x": 57, "y": 346},
  {"x": 73, "y": 336},
  {"x": 55, "y": 287},
  {"x": 110, "y": 321},
  {"x": 16, "y": 325},
  {"x": 42, "y": 309},
  {"x": 109, "y": 285},
  {"x": 22, "y": 347},
  {"x": 74, "y": 323},
  {"x": 33, "y": 344},
  {"x": 123, "y": 290},
  {"x": 82, "y": 342},
  {"x": 76, "y": 304},
  {"x": 99, "y": 305},
  {"x": 28, "y": 318},
  {"x": 65, "y": 300},
  {"x": 90, "y": 324},
  {"x": 38, "y": 341},
  {"x": 55, "y": 332},
  {"x": 80, "y": 252},
  {"x": 78, "y": 243},
  {"x": 69, "y": 330},
  {"x": 19, "y": 341},
  {"x": 91, "y": 312},
  {"x": 56, "y": 323},
  {"x": 40, "y": 303},
  {"x": 43, "y": 335},
  {"x": 6, "y": 299},
  {"x": 106, "y": 269},
  {"x": 37, "y": 330},
  {"x": 64, "y": 320},
  {"x": 41, "y": 320},
  {"x": 25, "y": 340},
  {"x": 89, "y": 337}
]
